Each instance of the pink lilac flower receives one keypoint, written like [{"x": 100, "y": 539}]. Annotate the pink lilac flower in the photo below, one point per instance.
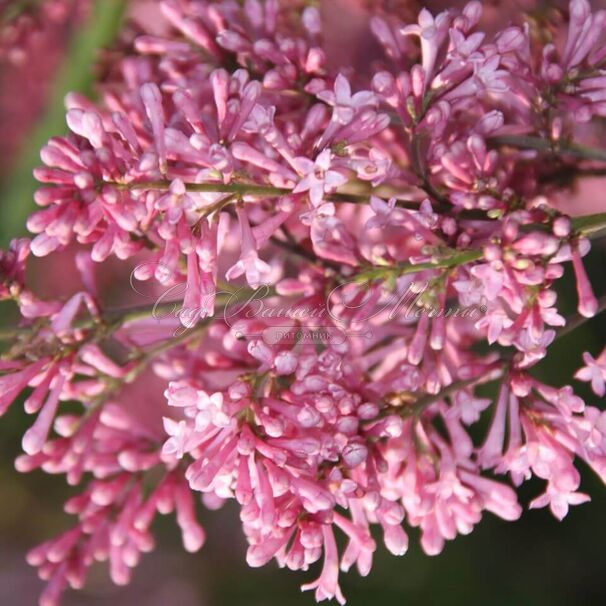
[
  {"x": 318, "y": 178},
  {"x": 344, "y": 103},
  {"x": 594, "y": 372},
  {"x": 257, "y": 272}
]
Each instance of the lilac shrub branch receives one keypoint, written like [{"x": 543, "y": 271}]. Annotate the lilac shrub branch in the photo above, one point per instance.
[{"x": 556, "y": 148}]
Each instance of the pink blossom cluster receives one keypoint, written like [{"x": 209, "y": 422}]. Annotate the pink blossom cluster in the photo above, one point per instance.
[{"x": 227, "y": 156}]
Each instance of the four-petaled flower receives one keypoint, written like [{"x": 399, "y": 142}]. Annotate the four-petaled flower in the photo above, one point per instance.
[
  {"x": 594, "y": 372},
  {"x": 317, "y": 177}
]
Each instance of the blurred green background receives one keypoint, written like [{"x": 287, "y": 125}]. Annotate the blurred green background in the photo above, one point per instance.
[{"x": 536, "y": 561}]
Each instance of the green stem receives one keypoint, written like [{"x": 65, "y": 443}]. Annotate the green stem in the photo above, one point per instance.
[
  {"x": 401, "y": 269},
  {"x": 584, "y": 226},
  {"x": 423, "y": 402},
  {"x": 589, "y": 225},
  {"x": 144, "y": 359},
  {"x": 460, "y": 258},
  {"x": 554, "y": 147},
  {"x": 148, "y": 355},
  {"x": 113, "y": 319},
  {"x": 252, "y": 189}
]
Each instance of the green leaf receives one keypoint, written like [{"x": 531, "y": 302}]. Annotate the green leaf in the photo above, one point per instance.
[{"x": 76, "y": 74}]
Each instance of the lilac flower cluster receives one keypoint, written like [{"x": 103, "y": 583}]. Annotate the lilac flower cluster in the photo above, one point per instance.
[{"x": 227, "y": 155}]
